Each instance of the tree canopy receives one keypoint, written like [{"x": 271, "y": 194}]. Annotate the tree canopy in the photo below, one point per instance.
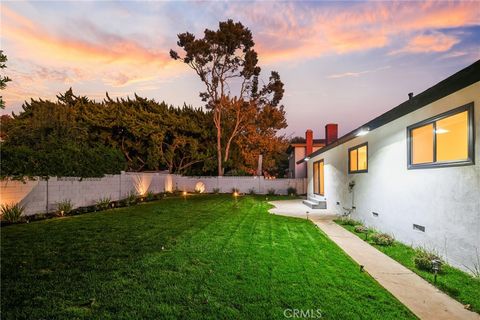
[
  {"x": 243, "y": 112},
  {"x": 76, "y": 136},
  {"x": 3, "y": 79}
]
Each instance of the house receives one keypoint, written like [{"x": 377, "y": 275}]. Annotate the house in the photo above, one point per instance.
[
  {"x": 412, "y": 172},
  {"x": 299, "y": 148}
]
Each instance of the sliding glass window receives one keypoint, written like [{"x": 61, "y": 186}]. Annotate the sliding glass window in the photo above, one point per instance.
[{"x": 444, "y": 140}]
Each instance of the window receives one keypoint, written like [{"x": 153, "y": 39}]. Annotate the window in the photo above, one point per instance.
[
  {"x": 318, "y": 177},
  {"x": 444, "y": 140},
  {"x": 358, "y": 158}
]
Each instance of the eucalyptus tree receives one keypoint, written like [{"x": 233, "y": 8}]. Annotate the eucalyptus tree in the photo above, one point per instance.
[{"x": 227, "y": 64}]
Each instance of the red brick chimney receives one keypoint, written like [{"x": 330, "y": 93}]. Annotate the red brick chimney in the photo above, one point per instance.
[
  {"x": 331, "y": 133},
  {"x": 309, "y": 141}
]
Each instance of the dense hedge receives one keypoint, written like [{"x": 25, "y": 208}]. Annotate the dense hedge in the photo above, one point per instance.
[{"x": 64, "y": 160}]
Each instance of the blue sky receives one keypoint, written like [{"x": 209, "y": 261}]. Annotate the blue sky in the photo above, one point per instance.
[{"x": 343, "y": 62}]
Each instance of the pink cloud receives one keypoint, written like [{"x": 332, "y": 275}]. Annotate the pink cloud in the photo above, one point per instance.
[
  {"x": 286, "y": 31},
  {"x": 435, "y": 42},
  {"x": 39, "y": 59}
]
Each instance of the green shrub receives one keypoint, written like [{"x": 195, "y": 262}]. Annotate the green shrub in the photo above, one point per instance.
[
  {"x": 150, "y": 196},
  {"x": 360, "y": 229},
  {"x": 64, "y": 207},
  {"x": 131, "y": 199},
  {"x": 291, "y": 191},
  {"x": 251, "y": 191},
  {"x": 216, "y": 190},
  {"x": 12, "y": 212},
  {"x": 382, "y": 239},
  {"x": 103, "y": 203},
  {"x": 424, "y": 260},
  {"x": 346, "y": 221},
  {"x": 271, "y": 192}
]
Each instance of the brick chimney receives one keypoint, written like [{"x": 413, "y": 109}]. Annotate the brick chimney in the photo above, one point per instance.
[
  {"x": 309, "y": 141},
  {"x": 331, "y": 133}
]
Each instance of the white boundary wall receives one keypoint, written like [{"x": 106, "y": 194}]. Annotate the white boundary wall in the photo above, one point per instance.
[{"x": 33, "y": 194}]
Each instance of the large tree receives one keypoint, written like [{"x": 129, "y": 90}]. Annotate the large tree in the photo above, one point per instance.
[
  {"x": 226, "y": 63},
  {"x": 3, "y": 79}
]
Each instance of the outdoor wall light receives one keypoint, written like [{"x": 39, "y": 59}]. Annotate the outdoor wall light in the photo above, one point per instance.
[
  {"x": 363, "y": 131},
  {"x": 307, "y": 158},
  {"x": 436, "y": 267}
]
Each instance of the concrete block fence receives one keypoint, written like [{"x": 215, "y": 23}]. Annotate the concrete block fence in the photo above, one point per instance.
[{"x": 40, "y": 195}]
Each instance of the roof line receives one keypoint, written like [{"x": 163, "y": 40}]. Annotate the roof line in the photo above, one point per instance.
[{"x": 455, "y": 82}]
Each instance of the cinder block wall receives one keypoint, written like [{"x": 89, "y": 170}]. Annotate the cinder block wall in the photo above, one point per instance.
[{"x": 40, "y": 195}]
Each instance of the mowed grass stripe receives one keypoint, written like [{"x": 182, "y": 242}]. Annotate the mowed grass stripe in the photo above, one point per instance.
[{"x": 221, "y": 259}]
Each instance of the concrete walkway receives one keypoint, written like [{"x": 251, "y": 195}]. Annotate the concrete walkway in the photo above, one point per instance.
[{"x": 422, "y": 298}]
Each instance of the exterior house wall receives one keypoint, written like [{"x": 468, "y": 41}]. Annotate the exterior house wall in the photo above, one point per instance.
[
  {"x": 444, "y": 200},
  {"x": 301, "y": 168}
]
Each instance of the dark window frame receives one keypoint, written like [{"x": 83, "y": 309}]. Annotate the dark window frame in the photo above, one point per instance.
[
  {"x": 469, "y": 107},
  {"x": 319, "y": 178},
  {"x": 349, "y": 158}
]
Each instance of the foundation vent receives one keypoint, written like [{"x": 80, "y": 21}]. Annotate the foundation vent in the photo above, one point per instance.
[{"x": 418, "y": 227}]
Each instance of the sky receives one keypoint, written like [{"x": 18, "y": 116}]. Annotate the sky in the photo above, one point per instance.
[{"x": 341, "y": 62}]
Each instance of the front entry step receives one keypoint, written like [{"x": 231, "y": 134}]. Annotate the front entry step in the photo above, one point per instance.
[{"x": 315, "y": 204}]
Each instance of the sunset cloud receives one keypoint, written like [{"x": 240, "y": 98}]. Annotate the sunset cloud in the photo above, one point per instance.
[
  {"x": 435, "y": 42},
  {"x": 355, "y": 74},
  {"x": 104, "y": 47},
  {"x": 81, "y": 53},
  {"x": 288, "y": 31}
]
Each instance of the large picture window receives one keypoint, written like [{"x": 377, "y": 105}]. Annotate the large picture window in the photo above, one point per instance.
[
  {"x": 318, "y": 177},
  {"x": 358, "y": 158},
  {"x": 444, "y": 140}
]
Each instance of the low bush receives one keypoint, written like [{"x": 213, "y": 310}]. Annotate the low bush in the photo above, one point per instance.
[
  {"x": 382, "y": 239},
  {"x": 251, "y": 191},
  {"x": 271, "y": 192},
  {"x": 360, "y": 229},
  {"x": 216, "y": 190},
  {"x": 424, "y": 260},
  {"x": 346, "y": 221},
  {"x": 103, "y": 203},
  {"x": 235, "y": 190},
  {"x": 12, "y": 212},
  {"x": 291, "y": 191},
  {"x": 131, "y": 199},
  {"x": 64, "y": 207},
  {"x": 150, "y": 196}
]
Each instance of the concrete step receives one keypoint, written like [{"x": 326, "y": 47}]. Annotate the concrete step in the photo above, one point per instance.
[{"x": 315, "y": 204}]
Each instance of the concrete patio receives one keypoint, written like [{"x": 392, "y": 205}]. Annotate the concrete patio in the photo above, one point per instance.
[
  {"x": 295, "y": 208},
  {"x": 422, "y": 298}
]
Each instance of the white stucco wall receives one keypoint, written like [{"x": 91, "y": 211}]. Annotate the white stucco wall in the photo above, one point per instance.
[{"x": 444, "y": 200}]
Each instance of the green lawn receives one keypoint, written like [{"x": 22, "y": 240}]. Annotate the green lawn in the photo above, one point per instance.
[
  {"x": 456, "y": 283},
  {"x": 204, "y": 257}
]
